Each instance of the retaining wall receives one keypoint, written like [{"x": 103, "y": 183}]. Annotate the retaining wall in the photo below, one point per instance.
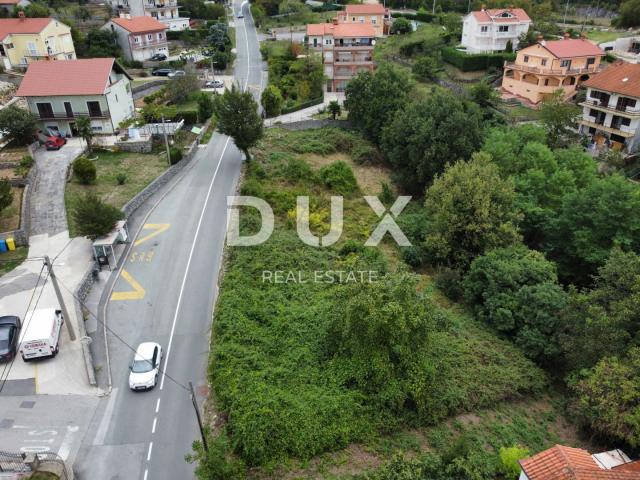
[{"x": 309, "y": 124}]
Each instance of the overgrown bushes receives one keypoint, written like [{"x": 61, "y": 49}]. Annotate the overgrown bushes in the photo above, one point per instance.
[
  {"x": 472, "y": 62},
  {"x": 84, "y": 170}
]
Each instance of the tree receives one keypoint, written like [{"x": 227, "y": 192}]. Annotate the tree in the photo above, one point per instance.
[
  {"x": 219, "y": 36},
  {"x": 427, "y": 67},
  {"x": 83, "y": 125},
  {"x": 334, "y": 109},
  {"x": 237, "y": 114},
  {"x": 373, "y": 98},
  {"x": 33, "y": 10},
  {"x": 401, "y": 26},
  {"x": 271, "y": 101},
  {"x": 515, "y": 290},
  {"x": 509, "y": 458},
  {"x": 558, "y": 117},
  {"x": 93, "y": 217},
  {"x": 205, "y": 106},
  {"x": 629, "y": 14},
  {"x": 6, "y": 194},
  {"x": 84, "y": 170},
  {"x": 418, "y": 141},
  {"x": 258, "y": 14},
  {"x": 484, "y": 94},
  {"x": 179, "y": 89},
  {"x": 509, "y": 47},
  {"x": 101, "y": 43},
  {"x": 471, "y": 210},
  {"x": 19, "y": 124}
]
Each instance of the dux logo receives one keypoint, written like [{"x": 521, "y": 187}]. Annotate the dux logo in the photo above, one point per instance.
[{"x": 386, "y": 225}]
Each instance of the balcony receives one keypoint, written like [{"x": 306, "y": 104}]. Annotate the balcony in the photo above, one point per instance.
[
  {"x": 72, "y": 115},
  {"x": 552, "y": 71},
  {"x": 160, "y": 5},
  {"x": 355, "y": 47},
  {"x": 597, "y": 104},
  {"x": 622, "y": 130},
  {"x": 355, "y": 61},
  {"x": 149, "y": 43}
]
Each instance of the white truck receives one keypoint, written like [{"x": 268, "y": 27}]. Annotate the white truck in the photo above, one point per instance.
[{"x": 41, "y": 333}]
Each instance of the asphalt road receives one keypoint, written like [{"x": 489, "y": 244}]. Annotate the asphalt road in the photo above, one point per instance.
[{"x": 166, "y": 294}]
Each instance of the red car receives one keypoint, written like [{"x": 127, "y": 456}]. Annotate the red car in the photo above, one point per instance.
[{"x": 54, "y": 143}]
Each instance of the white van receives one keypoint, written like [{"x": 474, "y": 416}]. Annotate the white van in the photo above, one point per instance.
[{"x": 41, "y": 333}]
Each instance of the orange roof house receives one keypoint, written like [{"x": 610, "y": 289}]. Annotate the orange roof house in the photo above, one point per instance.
[
  {"x": 139, "y": 37},
  {"x": 541, "y": 69},
  {"x": 491, "y": 30},
  {"x": 372, "y": 14}
]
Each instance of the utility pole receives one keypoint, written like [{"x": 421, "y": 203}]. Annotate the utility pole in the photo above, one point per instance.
[
  {"x": 166, "y": 140},
  {"x": 197, "y": 409},
  {"x": 433, "y": 9},
  {"x": 63, "y": 307},
  {"x": 566, "y": 9}
]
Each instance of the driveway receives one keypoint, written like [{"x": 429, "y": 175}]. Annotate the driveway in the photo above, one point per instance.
[{"x": 48, "y": 214}]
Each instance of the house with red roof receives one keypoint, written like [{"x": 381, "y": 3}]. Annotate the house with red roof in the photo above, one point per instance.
[
  {"x": 566, "y": 463},
  {"x": 346, "y": 50},
  {"x": 372, "y": 14},
  {"x": 58, "y": 93},
  {"x": 489, "y": 30},
  {"x": 541, "y": 69},
  {"x": 611, "y": 110},
  {"x": 25, "y": 40},
  {"x": 139, "y": 37}
]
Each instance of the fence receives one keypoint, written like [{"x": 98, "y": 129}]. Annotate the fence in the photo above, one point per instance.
[{"x": 25, "y": 463}]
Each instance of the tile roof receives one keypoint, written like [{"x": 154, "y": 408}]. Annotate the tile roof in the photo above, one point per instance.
[
  {"x": 566, "y": 463},
  {"x": 139, "y": 24},
  {"x": 9, "y": 2},
  {"x": 365, "y": 9},
  {"x": 22, "y": 25},
  {"x": 342, "y": 30},
  {"x": 493, "y": 15},
  {"x": 629, "y": 467},
  {"x": 621, "y": 78},
  {"x": 573, "y": 47},
  {"x": 66, "y": 77}
]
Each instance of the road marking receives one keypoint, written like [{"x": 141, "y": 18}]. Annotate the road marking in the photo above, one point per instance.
[
  {"x": 106, "y": 419},
  {"x": 136, "y": 294},
  {"x": 65, "y": 447},
  {"x": 157, "y": 228},
  {"x": 153, "y": 429},
  {"x": 186, "y": 271},
  {"x": 149, "y": 452},
  {"x": 158, "y": 402},
  {"x": 146, "y": 473}
]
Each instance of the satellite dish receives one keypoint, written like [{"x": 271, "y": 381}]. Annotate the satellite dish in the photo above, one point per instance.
[{"x": 373, "y": 42}]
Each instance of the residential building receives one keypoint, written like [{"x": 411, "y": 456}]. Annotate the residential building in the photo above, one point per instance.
[
  {"x": 9, "y": 5},
  {"x": 490, "y": 30},
  {"x": 165, "y": 11},
  {"x": 566, "y": 463},
  {"x": 25, "y": 40},
  {"x": 543, "y": 68},
  {"x": 58, "y": 93},
  {"x": 372, "y": 14},
  {"x": 625, "y": 48},
  {"x": 346, "y": 50},
  {"x": 139, "y": 37},
  {"x": 611, "y": 110}
]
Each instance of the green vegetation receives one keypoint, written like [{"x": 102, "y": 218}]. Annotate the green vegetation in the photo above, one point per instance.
[
  {"x": 6, "y": 194},
  {"x": 94, "y": 218},
  {"x": 471, "y": 62},
  {"x": 19, "y": 124},
  {"x": 10, "y": 260}
]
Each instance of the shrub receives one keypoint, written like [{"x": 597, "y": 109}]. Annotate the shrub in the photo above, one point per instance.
[
  {"x": 175, "y": 155},
  {"x": 469, "y": 63},
  {"x": 272, "y": 101},
  {"x": 413, "y": 255},
  {"x": 339, "y": 177},
  {"x": 6, "y": 194},
  {"x": 25, "y": 165},
  {"x": 509, "y": 458},
  {"x": 19, "y": 124},
  {"x": 401, "y": 26},
  {"x": 121, "y": 178},
  {"x": 190, "y": 117},
  {"x": 364, "y": 153},
  {"x": 386, "y": 195},
  {"x": 84, "y": 170},
  {"x": 449, "y": 281},
  {"x": 297, "y": 169},
  {"x": 205, "y": 107},
  {"x": 93, "y": 217}
]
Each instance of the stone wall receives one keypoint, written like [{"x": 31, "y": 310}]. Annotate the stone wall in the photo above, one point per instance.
[
  {"x": 148, "y": 85},
  {"x": 21, "y": 235},
  {"x": 309, "y": 124},
  {"x": 135, "y": 146}
]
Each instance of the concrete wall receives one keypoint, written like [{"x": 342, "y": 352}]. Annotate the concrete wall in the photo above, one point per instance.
[{"x": 120, "y": 101}]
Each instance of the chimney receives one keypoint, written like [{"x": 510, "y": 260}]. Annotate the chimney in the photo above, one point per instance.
[
  {"x": 539, "y": 39},
  {"x": 335, "y": 21},
  {"x": 21, "y": 15},
  {"x": 566, "y": 36}
]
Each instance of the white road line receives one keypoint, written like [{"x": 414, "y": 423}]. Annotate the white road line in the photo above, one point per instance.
[
  {"x": 106, "y": 419},
  {"x": 153, "y": 429},
  {"x": 149, "y": 452},
  {"x": 146, "y": 473},
  {"x": 65, "y": 447},
  {"x": 186, "y": 272},
  {"x": 158, "y": 402}
]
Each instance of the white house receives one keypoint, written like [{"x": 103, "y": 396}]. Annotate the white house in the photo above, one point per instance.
[
  {"x": 625, "y": 48},
  {"x": 59, "y": 93},
  {"x": 165, "y": 11},
  {"x": 611, "y": 110},
  {"x": 139, "y": 37},
  {"x": 490, "y": 30}
]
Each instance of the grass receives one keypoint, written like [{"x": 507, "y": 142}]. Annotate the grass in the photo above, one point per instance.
[
  {"x": 600, "y": 36},
  {"x": 44, "y": 476},
  {"x": 140, "y": 169},
  {"x": 10, "y": 216},
  {"x": 519, "y": 112},
  {"x": 297, "y": 20},
  {"x": 389, "y": 47},
  {"x": 10, "y": 260}
]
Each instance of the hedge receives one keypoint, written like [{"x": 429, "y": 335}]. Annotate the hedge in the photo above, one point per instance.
[
  {"x": 470, "y": 63},
  {"x": 190, "y": 117},
  {"x": 420, "y": 16},
  {"x": 198, "y": 33},
  {"x": 300, "y": 106}
]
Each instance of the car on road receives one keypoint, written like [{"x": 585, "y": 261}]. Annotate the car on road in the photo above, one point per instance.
[
  {"x": 9, "y": 333},
  {"x": 213, "y": 84},
  {"x": 158, "y": 57},
  {"x": 145, "y": 366},
  {"x": 55, "y": 142},
  {"x": 162, "y": 72},
  {"x": 41, "y": 336},
  {"x": 177, "y": 73},
  {"x": 240, "y": 15}
]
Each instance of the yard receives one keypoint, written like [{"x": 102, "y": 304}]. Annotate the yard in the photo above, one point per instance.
[
  {"x": 10, "y": 216},
  {"x": 607, "y": 35},
  {"x": 140, "y": 170},
  {"x": 10, "y": 260}
]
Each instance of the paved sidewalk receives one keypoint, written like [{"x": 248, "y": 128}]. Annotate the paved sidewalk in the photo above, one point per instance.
[
  {"x": 48, "y": 213},
  {"x": 306, "y": 113}
]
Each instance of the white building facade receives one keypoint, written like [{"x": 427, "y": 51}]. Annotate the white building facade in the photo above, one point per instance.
[
  {"x": 488, "y": 31},
  {"x": 139, "y": 37},
  {"x": 165, "y": 11}
]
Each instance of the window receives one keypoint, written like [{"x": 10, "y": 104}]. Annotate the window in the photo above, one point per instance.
[
  {"x": 593, "y": 113},
  {"x": 525, "y": 59},
  {"x": 160, "y": 36},
  {"x": 353, "y": 19},
  {"x": 373, "y": 20},
  {"x": 484, "y": 28},
  {"x": 546, "y": 82},
  {"x": 94, "y": 109},
  {"x": 45, "y": 110},
  {"x": 591, "y": 61},
  {"x": 8, "y": 45},
  {"x": 626, "y": 121},
  {"x": 149, "y": 37},
  {"x": 68, "y": 109},
  {"x": 136, "y": 39},
  {"x": 361, "y": 19},
  {"x": 543, "y": 62},
  {"x": 503, "y": 28},
  {"x": 96, "y": 128},
  {"x": 565, "y": 63}
]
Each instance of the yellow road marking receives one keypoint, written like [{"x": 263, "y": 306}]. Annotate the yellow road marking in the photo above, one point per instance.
[
  {"x": 157, "y": 229},
  {"x": 136, "y": 294}
]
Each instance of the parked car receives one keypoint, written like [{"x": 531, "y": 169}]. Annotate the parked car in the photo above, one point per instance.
[
  {"x": 55, "y": 142},
  {"x": 177, "y": 73},
  {"x": 158, "y": 57},
  {"x": 9, "y": 333},
  {"x": 213, "y": 84},
  {"x": 145, "y": 366},
  {"x": 162, "y": 72},
  {"x": 240, "y": 15},
  {"x": 41, "y": 338}
]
